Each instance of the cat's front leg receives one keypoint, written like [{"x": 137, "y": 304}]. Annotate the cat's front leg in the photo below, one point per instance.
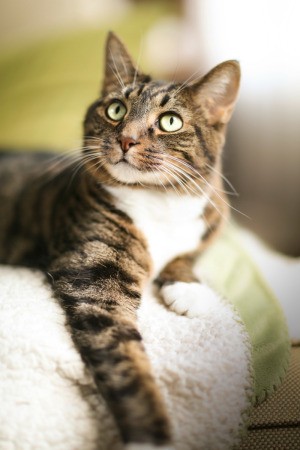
[
  {"x": 100, "y": 295},
  {"x": 182, "y": 292}
]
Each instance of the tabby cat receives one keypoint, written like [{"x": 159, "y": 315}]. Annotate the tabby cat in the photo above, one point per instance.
[{"x": 145, "y": 199}]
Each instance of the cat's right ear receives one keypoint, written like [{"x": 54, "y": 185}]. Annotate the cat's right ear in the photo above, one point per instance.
[
  {"x": 217, "y": 92},
  {"x": 119, "y": 68}
]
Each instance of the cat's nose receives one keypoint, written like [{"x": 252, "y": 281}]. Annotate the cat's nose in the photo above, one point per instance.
[{"x": 127, "y": 142}]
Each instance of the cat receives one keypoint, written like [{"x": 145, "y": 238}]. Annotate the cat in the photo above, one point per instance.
[{"x": 144, "y": 200}]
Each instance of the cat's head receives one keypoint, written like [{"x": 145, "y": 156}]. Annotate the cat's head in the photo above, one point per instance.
[{"x": 157, "y": 133}]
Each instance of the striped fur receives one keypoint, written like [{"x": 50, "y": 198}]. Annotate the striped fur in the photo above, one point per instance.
[{"x": 64, "y": 218}]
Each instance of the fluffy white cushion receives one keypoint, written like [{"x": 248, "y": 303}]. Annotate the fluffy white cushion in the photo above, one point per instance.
[{"x": 48, "y": 399}]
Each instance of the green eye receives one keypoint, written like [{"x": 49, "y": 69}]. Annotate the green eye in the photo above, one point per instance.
[
  {"x": 170, "y": 122},
  {"x": 116, "y": 111}
]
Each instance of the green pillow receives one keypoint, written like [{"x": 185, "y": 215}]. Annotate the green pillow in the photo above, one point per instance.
[{"x": 228, "y": 268}]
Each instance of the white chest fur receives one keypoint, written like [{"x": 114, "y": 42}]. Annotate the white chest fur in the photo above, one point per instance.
[{"x": 172, "y": 224}]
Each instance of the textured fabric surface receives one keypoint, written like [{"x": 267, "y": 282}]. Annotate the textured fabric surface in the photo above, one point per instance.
[
  {"x": 275, "y": 424},
  {"x": 230, "y": 270}
]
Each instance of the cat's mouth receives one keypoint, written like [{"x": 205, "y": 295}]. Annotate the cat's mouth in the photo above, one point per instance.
[
  {"x": 125, "y": 164},
  {"x": 133, "y": 167},
  {"x": 130, "y": 162},
  {"x": 124, "y": 160},
  {"x": 126, "y": 172}
]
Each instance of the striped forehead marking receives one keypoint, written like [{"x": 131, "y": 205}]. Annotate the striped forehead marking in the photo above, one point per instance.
[{"x": 148, "y": 91}]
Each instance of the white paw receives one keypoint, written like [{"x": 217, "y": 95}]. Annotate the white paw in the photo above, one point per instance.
[
  {"x": 190, "y": 299},
  {"x": 138, "y": 446}
]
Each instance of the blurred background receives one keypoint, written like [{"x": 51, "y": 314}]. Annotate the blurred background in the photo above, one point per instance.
[{"x": 51, "y": 60}]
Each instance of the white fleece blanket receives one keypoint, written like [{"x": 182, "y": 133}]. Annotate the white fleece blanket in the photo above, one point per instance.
[{"x": 48, "y": 400}]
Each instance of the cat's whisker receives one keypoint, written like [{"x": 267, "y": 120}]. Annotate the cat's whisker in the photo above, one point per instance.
[
  {"x": 75, "y": 172},
  {"x": 158, "y": 180},
  {"x": 49, "y": 170},
  {"x": 176, "y": 69},
  {"x": 90, "y": 158},
  {"x": 97, "y": 165},
  {"x": 116, "y": 71},
  {"x": 138, "y": 63},
  {"x": 192, "y": 170},
  {"x": 61, "y": 160},
  {"x": 149, "y": 164},
  {"x": 189, "y": 80},
  {"x": 89, "y": 154},
  {"x": 161, "y": 183},
  {"x": 123, "y": 64},
  {"x": 184, "y": 173},
  {"x": 91, "y": 138},
  {"x": 68, "y": 155},
  {"x": 190, "y": 190},
  {"x": 180, "y": 180},
  {"x": 170, "y": 170},
  {"x": 62, "y": 156},
  {"x": 198, "y": 191},
  {"x": 218, "y": 172},
  {"x": 164, "y": 172},
  {"x": 202, "y": 193},
  {"x": 116, "y": 74},
  {"x": 92, "y": 146},
  {"x": 142, "y": 184},
  {"x": 221, "y": 197},
  {"x": 82, "y": 164},
  {"x": 197, "y": 174}
]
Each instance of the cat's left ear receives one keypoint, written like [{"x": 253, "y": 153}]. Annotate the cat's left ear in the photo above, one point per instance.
[
  {"x": 217, "y": 91},
  {"x": 119, "y": 68}
]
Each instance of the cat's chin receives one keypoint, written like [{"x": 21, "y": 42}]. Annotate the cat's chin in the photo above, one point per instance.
[{"x": 126, "y": 173}]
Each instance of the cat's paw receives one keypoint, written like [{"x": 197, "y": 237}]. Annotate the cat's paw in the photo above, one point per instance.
[
  {"x": 138, "y": 446},
  {"x": 190, "y": 299}
]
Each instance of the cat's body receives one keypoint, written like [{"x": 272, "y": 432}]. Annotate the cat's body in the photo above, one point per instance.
[{"x": 144, "y": 200}]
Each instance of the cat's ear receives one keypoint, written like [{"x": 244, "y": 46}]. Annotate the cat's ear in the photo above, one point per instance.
[
  {"x": 119, "y": 68},
  {"x": 217, "y": 92}
]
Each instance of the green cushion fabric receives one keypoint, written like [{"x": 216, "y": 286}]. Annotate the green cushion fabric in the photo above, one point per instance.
[
  {"x": 228, "y": 267},
  {"x": 44, "y": 91}
]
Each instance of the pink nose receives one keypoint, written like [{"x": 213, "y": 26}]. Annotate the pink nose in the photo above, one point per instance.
[{"x": 126, "y": 142}]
